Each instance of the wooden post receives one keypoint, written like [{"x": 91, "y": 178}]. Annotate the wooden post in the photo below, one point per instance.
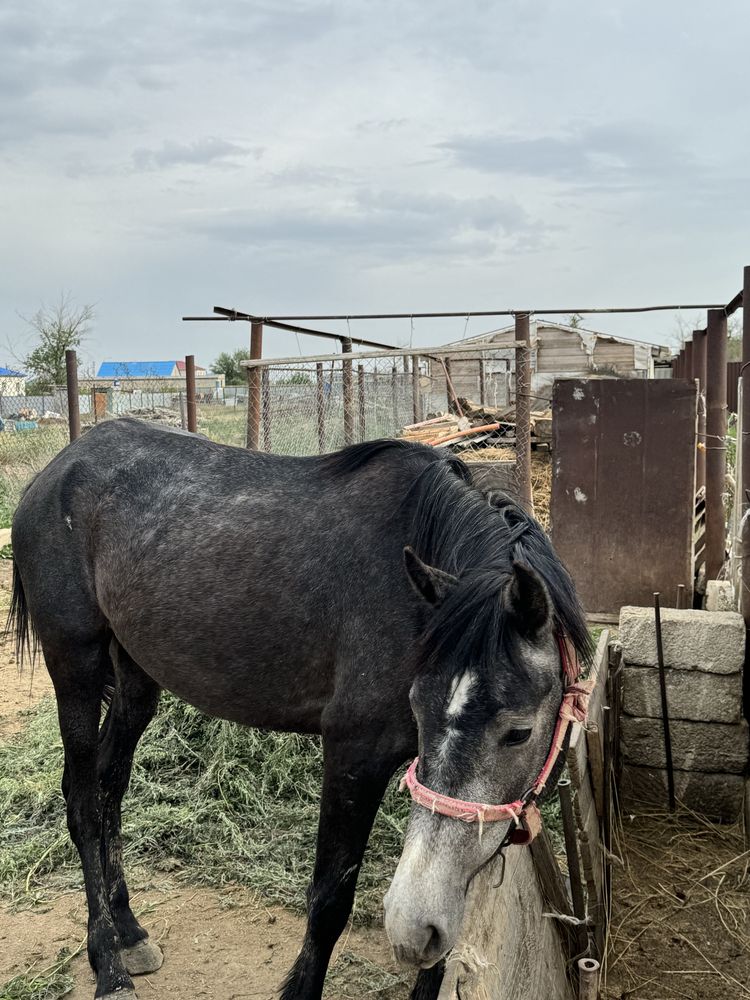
[
  {"x": 688, "y": 375},
  {"x": 192, "y": 412},
  {"x": 700, "y": 340},
  {"x": 394, "y": 397},
  {"x": 744, "y": 486},
  {"x": 71, "y": 379},
  {"x": 716, "y": 452},
  {"x": 416, "y": 402},
  {"x": 320, "y": 406},
  {"x": 482, "y": 382},
  {"x": 265, "y": 395},
  {"x": 348, "y": 389},
  {"x": 254, "y": 387},
  {"x": 523, "y": 411},
  {"x": 93, "y": 401},
  {"x": 361, "y": 392}
]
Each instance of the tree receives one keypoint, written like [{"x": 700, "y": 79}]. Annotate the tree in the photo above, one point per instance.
[
  {"x": 58, "y": 328},
  {"x": 228, "y": 365},
  {"x": 575, "y": 320},
  {"x": 734, "y": 341}
]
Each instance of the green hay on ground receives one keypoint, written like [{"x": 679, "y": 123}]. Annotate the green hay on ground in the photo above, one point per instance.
[
  {"x": 209, "y": 801},
  {"x": 51, "y": 983}
]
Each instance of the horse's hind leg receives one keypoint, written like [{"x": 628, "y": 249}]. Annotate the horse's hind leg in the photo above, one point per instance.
[
  {"x": 78, "y": 675},
  {"x": 132, "y": 708}
]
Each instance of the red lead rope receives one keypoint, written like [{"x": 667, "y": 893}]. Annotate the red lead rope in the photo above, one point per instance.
[{"x": 523, "y": 811}]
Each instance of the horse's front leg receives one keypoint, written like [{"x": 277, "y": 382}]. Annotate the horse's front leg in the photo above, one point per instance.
[{"x": 354, "y": 781}]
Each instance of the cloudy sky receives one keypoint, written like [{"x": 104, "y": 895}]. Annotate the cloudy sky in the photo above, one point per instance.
[{"x": 157, "y": 159}]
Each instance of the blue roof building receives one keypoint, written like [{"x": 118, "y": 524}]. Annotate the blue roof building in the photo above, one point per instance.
[
  {"x": 137, "y": 369},
  {"x": 10, "y": 373}
]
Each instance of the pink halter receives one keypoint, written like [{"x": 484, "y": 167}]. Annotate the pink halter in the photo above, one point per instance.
[{"x": 523, "y": 811}]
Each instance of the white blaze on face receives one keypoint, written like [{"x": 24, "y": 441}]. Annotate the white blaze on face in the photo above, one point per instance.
[
  {"x": 460, "y": 694},
  {"x": 459, "y": 697}
]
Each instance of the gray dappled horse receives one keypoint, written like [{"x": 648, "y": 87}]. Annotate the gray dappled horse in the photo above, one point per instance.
[{"x": 372, "y": 596}]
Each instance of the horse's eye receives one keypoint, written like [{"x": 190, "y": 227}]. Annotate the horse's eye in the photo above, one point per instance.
[{"x": 516, "y": 737}]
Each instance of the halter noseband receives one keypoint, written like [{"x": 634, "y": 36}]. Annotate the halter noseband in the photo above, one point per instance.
[{"x": 523, "y": 812}]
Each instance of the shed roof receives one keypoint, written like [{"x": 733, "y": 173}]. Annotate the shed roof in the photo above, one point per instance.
[
  {"x": 657, "y": 350},
  {"x": 10, "y": 373}
]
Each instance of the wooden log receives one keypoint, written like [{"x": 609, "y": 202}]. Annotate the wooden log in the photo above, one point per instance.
[{"x": 507, "y": 949}]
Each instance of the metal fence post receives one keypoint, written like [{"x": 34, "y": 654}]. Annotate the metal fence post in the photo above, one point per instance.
[
  {"x": 700, "y": 341},
  {"x": 253, "y": 387},
  {"x": 523, "y": 410},
  {"x": 416, "y": 402},
  {"x": 192, "y": 410},
  {"x": 361, "y": 392},
  {"x": 71, "y": 380},
  {"x": 348, "y": 390},
  {"x": 716, "y": 452},
  {"x": 320, "y": 406},
  {"x": 265, "y": 391}
]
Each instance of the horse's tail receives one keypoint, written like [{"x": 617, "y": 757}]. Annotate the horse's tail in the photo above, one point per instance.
[{"x": 19, "y": 622}]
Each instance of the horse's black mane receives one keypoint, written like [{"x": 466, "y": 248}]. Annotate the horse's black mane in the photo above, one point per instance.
[{"x": 476, "y": 537}]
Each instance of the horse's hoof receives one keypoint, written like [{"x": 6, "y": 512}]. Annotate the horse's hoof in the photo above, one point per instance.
[{"x": 143, "y": 957}]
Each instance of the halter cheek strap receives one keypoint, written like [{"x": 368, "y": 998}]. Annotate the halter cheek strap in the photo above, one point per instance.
[{"x": 523, "y": 812}]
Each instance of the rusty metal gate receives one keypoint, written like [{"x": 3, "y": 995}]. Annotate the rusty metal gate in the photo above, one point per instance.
[{"x": 623, "y": 488}]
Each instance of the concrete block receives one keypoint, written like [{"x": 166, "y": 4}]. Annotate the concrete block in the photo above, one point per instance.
[
  {"x": 717, "y": 796},
  {"x": 713, "y": 641},
  {"x": 696, "y": 746},
  {"x": 720, "y": 596},
  {"x": 691, "y": 694}
]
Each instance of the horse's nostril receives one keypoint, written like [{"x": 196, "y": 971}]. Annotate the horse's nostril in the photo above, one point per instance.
[{"x": 435, "y": 946}]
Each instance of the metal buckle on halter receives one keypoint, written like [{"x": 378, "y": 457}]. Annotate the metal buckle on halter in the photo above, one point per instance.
[{"x": 515, "y": 834}]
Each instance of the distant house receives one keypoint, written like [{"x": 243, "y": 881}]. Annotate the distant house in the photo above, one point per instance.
[
  {"x": 12, "y": 383},
  {"x": 557, "y": 351},
  {"x": 161, "y": 376}
]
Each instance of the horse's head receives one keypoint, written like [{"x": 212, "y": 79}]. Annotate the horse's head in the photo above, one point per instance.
[{"x": 486, "y": 700}]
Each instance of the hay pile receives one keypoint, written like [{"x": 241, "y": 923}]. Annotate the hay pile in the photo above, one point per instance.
[
  {"x": 210, "y": 802},
  {"x": 541, "y": 475}
]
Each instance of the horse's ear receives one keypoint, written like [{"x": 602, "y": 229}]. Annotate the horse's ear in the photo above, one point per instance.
[
  {"x": 429, "y": 582},
  {"x": 527, "y": 600}
]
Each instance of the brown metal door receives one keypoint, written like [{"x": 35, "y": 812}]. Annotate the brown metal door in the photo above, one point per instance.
[{"x": 623, "y": 488}]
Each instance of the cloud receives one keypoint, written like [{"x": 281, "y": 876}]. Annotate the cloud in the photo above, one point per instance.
[
  {"x": 622, "y": 155},
  {"x": 384, "y": 226},
  {"x": 201, "y": 152}
]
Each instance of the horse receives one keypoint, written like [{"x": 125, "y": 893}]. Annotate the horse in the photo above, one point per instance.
[{"x": 373, "y": 596}]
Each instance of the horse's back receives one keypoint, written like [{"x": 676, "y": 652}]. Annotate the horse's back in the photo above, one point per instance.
[{"x": 195, "y": 553}]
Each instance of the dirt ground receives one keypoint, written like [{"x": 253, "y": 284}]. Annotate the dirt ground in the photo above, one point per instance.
[
  {"x": 223, "y": 944},
  {"x": 681, "y": 918}
]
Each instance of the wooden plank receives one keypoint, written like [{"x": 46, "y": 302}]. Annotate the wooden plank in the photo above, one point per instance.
[{"x": 507, "y": 950}]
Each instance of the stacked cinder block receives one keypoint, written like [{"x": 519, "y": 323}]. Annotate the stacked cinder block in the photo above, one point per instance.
[{"x": 703, "y": 655}]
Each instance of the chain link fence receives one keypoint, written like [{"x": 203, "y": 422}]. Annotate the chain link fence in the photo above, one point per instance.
[{"x": 458, "y": 399}]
